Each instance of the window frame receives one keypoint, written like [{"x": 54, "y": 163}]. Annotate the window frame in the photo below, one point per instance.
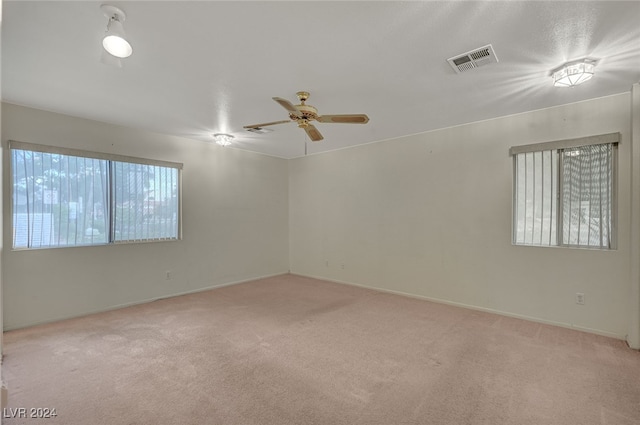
[
  {"x": 110, "y": 158},
  {"x": 559, "y": 147}
]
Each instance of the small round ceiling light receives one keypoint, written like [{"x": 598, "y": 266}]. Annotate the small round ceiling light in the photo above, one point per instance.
[
  {"x": 223, "y": 139},
  {"x": 114, "y": 40},
  {"x": 574, "y": 73}
]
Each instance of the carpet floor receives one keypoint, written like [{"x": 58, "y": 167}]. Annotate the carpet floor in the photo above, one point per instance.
[{"x": 294, "y": 350}]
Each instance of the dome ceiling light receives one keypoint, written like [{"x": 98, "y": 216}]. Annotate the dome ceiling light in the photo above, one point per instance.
[
  {"x": 574, "y": 73},
  {"x": 223, "y": 139}
]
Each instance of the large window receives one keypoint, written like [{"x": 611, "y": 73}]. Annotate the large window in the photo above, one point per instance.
[
  {"x": 64, "y": 197},
  {"x": 564, "y": 193}
]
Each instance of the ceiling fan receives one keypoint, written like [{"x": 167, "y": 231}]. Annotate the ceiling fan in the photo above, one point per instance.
[{"x": 302, "y": 114}]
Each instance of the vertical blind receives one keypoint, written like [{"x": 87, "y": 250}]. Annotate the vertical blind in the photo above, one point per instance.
[
  {"x": 145, "y": 200},
  {"x": 536, "y": 183},
  {"x": 63, "y": 197},
  {"x": 587, "y": 184}
]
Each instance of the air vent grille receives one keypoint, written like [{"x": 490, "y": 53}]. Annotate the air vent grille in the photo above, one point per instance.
[
  {"x": 473, "y": 59},
  {"x": 480, "y": 54}
]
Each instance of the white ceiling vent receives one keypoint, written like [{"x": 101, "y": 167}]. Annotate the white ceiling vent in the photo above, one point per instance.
[{"x": 473, "y": 59}]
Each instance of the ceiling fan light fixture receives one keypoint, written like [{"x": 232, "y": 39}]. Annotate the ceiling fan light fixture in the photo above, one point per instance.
[
  {"x": 223, "y": 139},
  {"x": 114, "y": 40},
  {"x": 574, "y": 73}
]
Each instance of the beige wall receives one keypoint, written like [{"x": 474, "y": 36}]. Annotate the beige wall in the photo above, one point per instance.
[
  {"x": 235, "y": 225},
  {"x": 634, "y": 294},
  {"x": 430, "y": 215}
]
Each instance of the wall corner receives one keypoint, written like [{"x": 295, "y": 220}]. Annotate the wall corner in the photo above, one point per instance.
[{"x": 633, "y": 338}]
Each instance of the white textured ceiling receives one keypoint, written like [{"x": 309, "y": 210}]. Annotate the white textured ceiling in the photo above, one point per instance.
[{"x": 204, "y": 67}]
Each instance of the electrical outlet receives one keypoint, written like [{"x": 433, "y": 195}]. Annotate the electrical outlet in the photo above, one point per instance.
[
  {"x": 168, "y": 275},
  {"x": 580, "y": 298},
  {"x": 326, "y": 263}
]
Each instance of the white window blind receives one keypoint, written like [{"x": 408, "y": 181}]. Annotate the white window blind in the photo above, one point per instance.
[
  {"x": 65, "y": 197},
  {"x": 564, "y": 194}
]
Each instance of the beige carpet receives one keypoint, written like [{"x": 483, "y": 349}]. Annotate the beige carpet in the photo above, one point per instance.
[{"x": 293, "y": 350}]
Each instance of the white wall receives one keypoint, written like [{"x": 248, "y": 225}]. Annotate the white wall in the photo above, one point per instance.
[
  {"x": 430, "y": 215},
  {"x": 235, "y": 225}
]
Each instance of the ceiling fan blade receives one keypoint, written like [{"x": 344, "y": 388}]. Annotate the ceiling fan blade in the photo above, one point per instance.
[
  {"x": 288, "y": 106},
  {"x": 266, "y": 124},
  {"x": 313, "y": 133},
  {"x": 344, "y": 119}
]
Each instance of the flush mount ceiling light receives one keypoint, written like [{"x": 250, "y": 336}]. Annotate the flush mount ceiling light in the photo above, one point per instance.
[
  {"x": 573, "y": 73},
  {"x": 114, "y": 40},
  {"x": 223, "y": 139}
]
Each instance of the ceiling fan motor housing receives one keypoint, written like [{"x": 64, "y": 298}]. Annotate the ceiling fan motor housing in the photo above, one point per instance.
[{"x": 307, "y": 112}]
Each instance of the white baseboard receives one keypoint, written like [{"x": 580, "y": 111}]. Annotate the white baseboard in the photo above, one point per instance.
[
  {"x": 472, "y": 307},
  {"x": 632, "y": 344}
]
